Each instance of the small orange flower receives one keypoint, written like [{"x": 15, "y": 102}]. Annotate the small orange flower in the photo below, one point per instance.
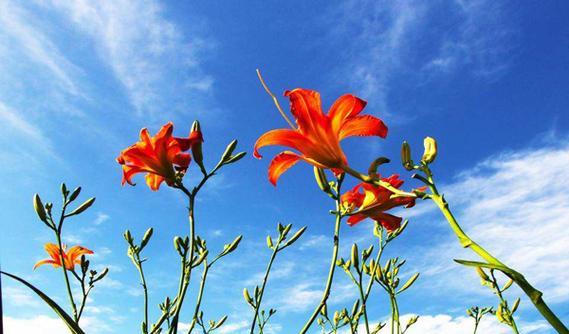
[
  {"x": 159, "y": 156},
  {"x": 318, "y": 135},
  {"x": 374, "y": 201},
  {"x": 71, "y": 257}
]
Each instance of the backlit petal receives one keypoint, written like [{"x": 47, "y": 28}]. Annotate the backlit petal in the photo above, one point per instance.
[
  {"x": 153, "y": 181},
  {"x": 345, "y": 107},
  {"x": 280, "y": 164},
  {"x": 46, "y": 261},
  {"x": 281, "y": 137},
  {"x": 353, "y": 220},
  {"x": 365, "y": 125},
  {"x": 306, "y": 108}
]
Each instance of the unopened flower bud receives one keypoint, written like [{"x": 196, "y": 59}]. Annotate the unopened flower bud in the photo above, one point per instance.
[
  {"x": 197, "y": 147},
  {"x": 321, "y": 180},
  {"x": 40, "y": 210},
  {"x": 406, "y": 160},
  {"x": 430, "y": 150}
]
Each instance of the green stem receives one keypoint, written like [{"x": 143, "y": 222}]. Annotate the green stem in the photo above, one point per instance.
[
  {"x": 326, "y": 293},
  {"x": 534, "y": 295},
  {"x": 395, "y": 326},
  {"x": 186, "y": 269},
  {"x": 265, "y": 280},
  {"x": 65, "y": 275},
  {"x": 363, "y": 299},
  {"x": 200, "y": 296},
  {"x": 144, "y": 286}
]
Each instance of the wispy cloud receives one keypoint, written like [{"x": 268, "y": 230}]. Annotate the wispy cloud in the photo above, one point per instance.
[
  {"x": 148, "y": 54},
  {"x": 384, "y": 41}
]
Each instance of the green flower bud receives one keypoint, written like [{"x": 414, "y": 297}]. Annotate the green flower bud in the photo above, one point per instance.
[{"x": 406, "y": 160}]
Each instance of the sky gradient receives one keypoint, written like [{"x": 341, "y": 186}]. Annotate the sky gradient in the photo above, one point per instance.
[{"x": 488, "y": 79}]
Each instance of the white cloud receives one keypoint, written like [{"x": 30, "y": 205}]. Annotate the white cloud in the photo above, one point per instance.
[
  {"x": 145, "y": 51},
  {"x": 101, "y": 218},
  {"x": 445, "y": 324},
  {"x": 40, "y": 324},
  {"x": 515, "y": 204},
  {"x": 19, "y": 296}
]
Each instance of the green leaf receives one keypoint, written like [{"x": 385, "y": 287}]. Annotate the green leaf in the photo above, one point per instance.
[{"x": 73, "y": 326}]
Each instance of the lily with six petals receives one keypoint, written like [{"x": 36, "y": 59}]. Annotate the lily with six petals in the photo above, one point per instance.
[
  {"x": 372, "y": 202},
  {"x": 71, "y": 257},
  {"x": 160, "y": 157},
  {"x": 318, "y": 135}
]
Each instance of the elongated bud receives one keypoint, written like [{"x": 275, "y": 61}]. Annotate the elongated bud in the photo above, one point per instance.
[
  {"x": 247, "y": 297},
  {"x": 295, "y": 237},
  {"x": 219, "y": 322},
  {"x": 197, "y": 147},
  {"x": 74, "y": 194},
  {"x": 270, "y": 242},
  {"x": 324, "y": 310},
  {"x": 40, "y": 209},
  {"x": 286, "y": 229},
  {"x": 406, "y": 160},
  {"x": 236, "y": 158},
  {"x": 507, "y": 285},
  {"x": 233, "y": 245},
  {"x": 64, "y": 191},
  {"x": 409, "y": 282},
  {"x": 179, "y": 245},
  {"x": 200, "y": 259},
  {"x": 128, "y": 236},
  {"x": 83, "y": 207},
  {"x": 101, "y": 275},
  {"x": 229, "y": 151},
  {"x": 321, "y": 180},
  {"x": 483, "y": 276},
  {"x": 430, "y": 150},
  {"x": 515, "y": 306},
  {"x": 355, "y": 257},
  {"x": 146, "y": 237}
]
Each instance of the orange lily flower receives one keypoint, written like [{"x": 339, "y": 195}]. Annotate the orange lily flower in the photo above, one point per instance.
[
  {"x": 318, "y": 135},
  {"x": 159, "y": 156},
  {"x": 374, "y": 201},
  {"x": 71, "y": 257}
]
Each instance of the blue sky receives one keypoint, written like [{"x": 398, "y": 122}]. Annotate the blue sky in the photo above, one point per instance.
[{"x": 488, "y": 79}]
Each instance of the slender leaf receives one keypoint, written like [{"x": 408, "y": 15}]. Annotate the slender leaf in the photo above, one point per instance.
[{"x": 73, "y": 326}]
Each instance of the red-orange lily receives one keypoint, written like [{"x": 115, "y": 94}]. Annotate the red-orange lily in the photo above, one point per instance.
[
  {"x": 70, "y": 257},
  {"x": 372, "y": 202},
  {"x": 159, "y": 156},
  {"x": 318, "y": 135}
]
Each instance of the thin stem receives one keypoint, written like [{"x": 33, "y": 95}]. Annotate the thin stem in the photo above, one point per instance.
[
  {"x": 186, "y": 266},
  {"x": 63, "y": 267},
  {"x": 265, "y": 280},
  {"x": 534, "y": 295},
  {"x": 275, "y": 100},
  {"x": 200, "y": 296},
  {"x": 145, "y": 288},
  {"x": 363, "y": 299},
  {"x": 326, "y": 293},
  {"x": 394, "y": 315}
]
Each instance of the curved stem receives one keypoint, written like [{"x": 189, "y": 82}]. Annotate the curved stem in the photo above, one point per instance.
[
  {"x": 265, "y": 280},
  {"x": 395, "y": 327},
  {"x": 62, "y": 257},
  {"x": 200, "y": 296},
  {"x": 145, "y": 288},
  {"x": 534, "y": 295},
  {"x": 326, "y": 293}
]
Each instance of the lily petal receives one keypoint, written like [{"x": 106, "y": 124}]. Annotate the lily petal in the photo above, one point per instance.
[
  {"x": 364, "y": 125},
  {"x": 46, "y": 261},
  {"x": 346, "y": 106},
  {"x": 280, "y": 164},
  {"x": 153, "y": 181},
  {"x": 281, "y": 137}
]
